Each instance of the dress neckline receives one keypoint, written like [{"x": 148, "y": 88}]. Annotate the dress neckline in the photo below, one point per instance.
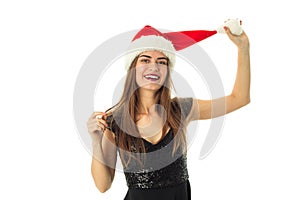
[{"x": 159, "y": 141}]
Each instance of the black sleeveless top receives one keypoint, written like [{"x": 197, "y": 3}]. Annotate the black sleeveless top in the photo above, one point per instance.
[{"x": 161, "y": 167}]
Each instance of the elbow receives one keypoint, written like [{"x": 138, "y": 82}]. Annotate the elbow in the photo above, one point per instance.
[
  {"x": 102, "y": 188},
  {"x": 240, "y": 102},
  {"x": 102, "y": 181},
  {"x": 246, "y": 101},
  {"x": 241, "y": 99},
  {"x": 102, "y": 184},
  {"x": 249, "y": 100}
]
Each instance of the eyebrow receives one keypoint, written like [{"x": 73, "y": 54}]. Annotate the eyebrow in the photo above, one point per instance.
[{"x": 151, "y": 57}]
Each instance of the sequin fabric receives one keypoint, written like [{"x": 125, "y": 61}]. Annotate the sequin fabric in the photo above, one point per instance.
[{"x": 160, "y": 168}]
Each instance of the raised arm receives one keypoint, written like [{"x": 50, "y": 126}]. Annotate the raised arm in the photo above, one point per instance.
[{"x": 240, "y": 95}]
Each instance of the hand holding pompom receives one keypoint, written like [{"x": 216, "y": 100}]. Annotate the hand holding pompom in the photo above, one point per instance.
[{"x": 234, "y": 25}]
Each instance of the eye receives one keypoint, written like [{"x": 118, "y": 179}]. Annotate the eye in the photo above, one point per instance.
[
  {"x": 144, "y": 60},
  {"x": 162, "y": 62}
]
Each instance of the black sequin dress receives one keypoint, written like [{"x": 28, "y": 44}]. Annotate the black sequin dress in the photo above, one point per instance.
[{"x": 163, "y": 175}]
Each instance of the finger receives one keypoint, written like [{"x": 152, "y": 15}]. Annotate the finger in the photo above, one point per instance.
[
  {"x": 227, "y": 30},
  {"x": 98, "y": 117},
  {"x": 95, "y": 114},
  {"x": 99, "y": 114},
  {"x": 101, "y": 117},
  {"x": 100, "y": 127},
  {"x": 95, "y": 126},
  {"x": 102, "y": 121},
  {"x": 92, "y": 122},
  {"x": 229, "y": 34}
]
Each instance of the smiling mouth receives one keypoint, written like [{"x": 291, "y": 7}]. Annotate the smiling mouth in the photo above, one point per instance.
[{"x": 152, "y": 77}]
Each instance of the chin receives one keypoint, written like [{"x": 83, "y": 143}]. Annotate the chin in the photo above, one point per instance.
[{"x": 153, "y": 87}]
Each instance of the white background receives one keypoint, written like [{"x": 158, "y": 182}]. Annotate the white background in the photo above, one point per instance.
[{"x": 43, "y": 45}]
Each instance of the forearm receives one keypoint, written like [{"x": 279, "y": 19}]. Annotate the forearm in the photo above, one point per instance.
[
  {"x": 101, "y": 173},
  {"x": 241, "y": 89}
]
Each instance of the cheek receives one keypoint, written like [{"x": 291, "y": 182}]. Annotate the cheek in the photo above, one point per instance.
[
  {"x": 139, "y": 74},
  {"x": 164, "y": 73},
  {"x": 139, "y": 71}
]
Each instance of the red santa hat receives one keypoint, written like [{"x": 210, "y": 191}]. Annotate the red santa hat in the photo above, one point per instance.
[{"x": 149, "y": 38}]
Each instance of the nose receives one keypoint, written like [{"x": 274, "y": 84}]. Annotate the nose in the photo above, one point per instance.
[{"x": 154, "y": 67}]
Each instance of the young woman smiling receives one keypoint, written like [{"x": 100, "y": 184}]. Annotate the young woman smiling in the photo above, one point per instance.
[{"x": 148, "y": 127}]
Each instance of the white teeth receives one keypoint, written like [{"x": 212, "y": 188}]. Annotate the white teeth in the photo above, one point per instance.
[{"x": 152, "y": 77}]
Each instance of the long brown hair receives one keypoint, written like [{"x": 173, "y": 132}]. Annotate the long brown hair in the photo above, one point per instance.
[{"x": 125, "y": 115}]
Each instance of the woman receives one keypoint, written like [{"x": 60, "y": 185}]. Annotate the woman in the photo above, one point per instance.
[{"x": 148, "y": 127}]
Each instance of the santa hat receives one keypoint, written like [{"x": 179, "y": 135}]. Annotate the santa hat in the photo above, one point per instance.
[{"x": 149, "y": 38}]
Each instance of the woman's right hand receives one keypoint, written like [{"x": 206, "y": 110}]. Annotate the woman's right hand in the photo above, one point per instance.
[
  {"x": 96, "y": 126},
  {"x": 104, "y": 152}
]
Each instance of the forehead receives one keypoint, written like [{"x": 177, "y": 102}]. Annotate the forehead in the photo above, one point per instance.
[{"x": 154, "y": 53}]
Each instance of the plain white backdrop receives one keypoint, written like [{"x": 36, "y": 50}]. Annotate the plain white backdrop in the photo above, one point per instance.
[{"x": 43, "y": 45}]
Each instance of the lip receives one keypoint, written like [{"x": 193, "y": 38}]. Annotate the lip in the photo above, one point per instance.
[{"x": 152, "y": 77}]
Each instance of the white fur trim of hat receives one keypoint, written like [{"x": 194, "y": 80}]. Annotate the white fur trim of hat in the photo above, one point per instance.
[{"x": 150, "y": 43}]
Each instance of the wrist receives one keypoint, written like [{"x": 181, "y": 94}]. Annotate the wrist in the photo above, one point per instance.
[
  {"x": 244, "y": 49},
  {"x": 97, "y": 151},
  {"x": 95, "y": 143},
  {"x": 96, "y": 146}
]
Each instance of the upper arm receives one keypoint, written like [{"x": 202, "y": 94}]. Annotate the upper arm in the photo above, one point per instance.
[{"x": 208, "y": 109}]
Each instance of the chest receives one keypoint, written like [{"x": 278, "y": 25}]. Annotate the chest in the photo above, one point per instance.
[{"x": 150, "y": 127}]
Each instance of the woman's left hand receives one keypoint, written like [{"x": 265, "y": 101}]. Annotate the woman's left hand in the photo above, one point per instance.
[{"x": 241, "y": 41}]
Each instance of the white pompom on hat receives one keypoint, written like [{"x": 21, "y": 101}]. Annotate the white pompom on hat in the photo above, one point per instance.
[{"x": 233, "y": 24}]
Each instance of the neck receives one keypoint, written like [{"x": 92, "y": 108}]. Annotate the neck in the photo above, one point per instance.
[{"x": 147, "y": 100}]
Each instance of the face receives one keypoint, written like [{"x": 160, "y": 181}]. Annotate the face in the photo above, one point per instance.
[{"x": 151, "y": 70}]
